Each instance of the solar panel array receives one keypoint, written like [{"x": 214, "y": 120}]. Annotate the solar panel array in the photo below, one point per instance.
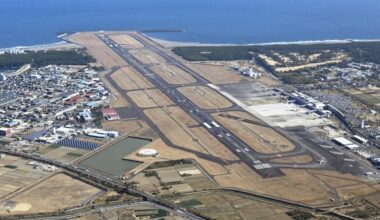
[
  {"x": 78, "y": 144},
  {"x": 35, "y": 135}
]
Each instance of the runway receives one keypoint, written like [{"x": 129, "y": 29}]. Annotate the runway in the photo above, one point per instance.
[{"x": 257, "y": 161}]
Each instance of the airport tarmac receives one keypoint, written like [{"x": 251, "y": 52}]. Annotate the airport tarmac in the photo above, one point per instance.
[{"x": 259, "y": 162}]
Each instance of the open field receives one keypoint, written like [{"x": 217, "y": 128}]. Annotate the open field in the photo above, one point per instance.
[
  {"x": 102, "y": 53},
  {"x": 147, "y": 56},
  {"x": 212, "y": 145},
  {"x": 260, "y": 138},
  {"x": 197, "y": 138},
  {"x": 149, "y": 98},
  {"x": 15, "y": 174},
  {"x": 217, "y": 73},
  {"x": 181, "y": 116},
  {"x": 204, "y": 97},
  {"x": 172, "y": 74},
  {"x": 57, "y": 192},
  {"x": 122, "y": 126},
  {"x": 126, "y": 41},
  {"x": 128, "y": 79},
  {"x": 296, "y": 185},
  {"x": 65, "y": 154},
  {"x": 173, "y": 129},
  {"x": 218, "y": 205}
]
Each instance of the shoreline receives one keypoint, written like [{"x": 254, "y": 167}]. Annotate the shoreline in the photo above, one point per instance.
[
  {"x": 56, "y": 45},
  {"x": 167, "y": 43}
]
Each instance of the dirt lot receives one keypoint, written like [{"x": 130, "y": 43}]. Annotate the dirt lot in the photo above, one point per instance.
[
  {"x": 149, "y": 98},
  {"x": 102, "y": 53},
  {"x": 147, "y": 56},
  {"x": 126, "y": 41},
  {"x": 128, "y": 79},
  {"x": 204, "y": 97},
  {"x": 217, "y": 73},
  {"x": 172, "y": 74},
  {"x": 260, "y": 138},
  {"x": 57, "y": 192}
]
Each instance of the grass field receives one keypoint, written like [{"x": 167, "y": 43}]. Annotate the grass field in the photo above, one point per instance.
[
  {"x": 172, "y": 74},
  {"x": 217, "y": 73},
  {"x": 260, "y": 138},
  {"x": 126, "y": 41},
  {"x": 204, "y": 97},
  {"x": 147, "y": 56},
  {"x": 149, "y": 98},
  {"x": 128, "y": 79},
  {"x": 102, "y": 53}
]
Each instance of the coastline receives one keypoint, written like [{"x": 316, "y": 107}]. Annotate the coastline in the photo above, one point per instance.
[
  {"x": 167, "y": 43},
  {"x": 53, "y": 46}
]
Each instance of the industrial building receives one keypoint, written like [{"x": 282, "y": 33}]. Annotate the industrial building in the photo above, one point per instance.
[
  {"x": 4, "y": 132},
  {"x": 110, "y": 114},
  {"x": 345, "y": 143},
  {"x": 360, "y": 139}
]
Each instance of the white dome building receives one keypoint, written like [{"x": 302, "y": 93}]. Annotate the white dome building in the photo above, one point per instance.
[{"x": 148, "y": 153}]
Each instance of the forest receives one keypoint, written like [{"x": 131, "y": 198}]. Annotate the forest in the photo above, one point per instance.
[{"x": 43, "y": 58}]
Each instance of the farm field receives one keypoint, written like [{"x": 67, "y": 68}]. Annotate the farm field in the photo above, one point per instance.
[
  {"x": 57, "y": 192},
  {"x": 369, "y": 95}
]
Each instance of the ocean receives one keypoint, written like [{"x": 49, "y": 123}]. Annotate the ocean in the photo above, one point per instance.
[{"x": 31, "y": 22}]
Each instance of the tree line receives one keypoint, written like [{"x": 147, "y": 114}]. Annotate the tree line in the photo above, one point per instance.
[{"x": 43, "y": 58}]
